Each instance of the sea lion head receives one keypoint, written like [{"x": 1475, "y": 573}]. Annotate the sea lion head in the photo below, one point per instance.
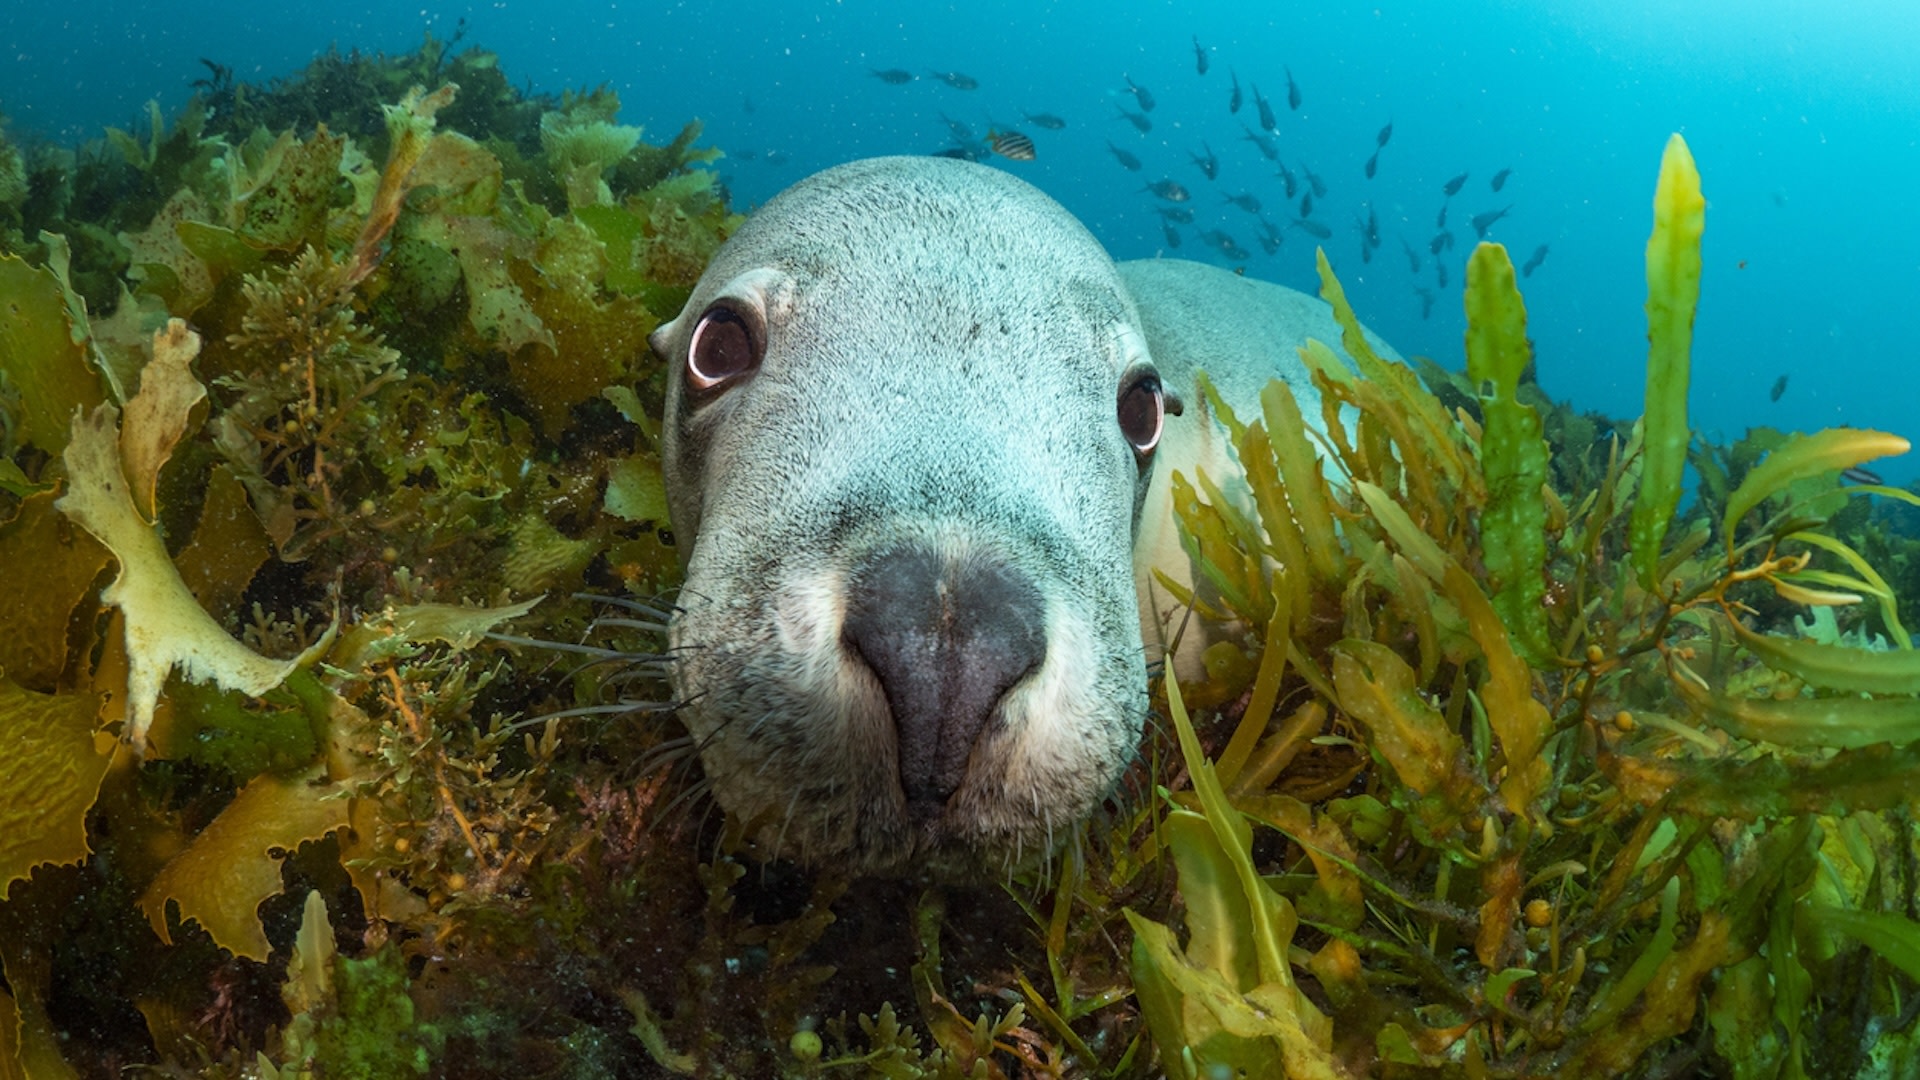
[{"x": 909, "y": 424}]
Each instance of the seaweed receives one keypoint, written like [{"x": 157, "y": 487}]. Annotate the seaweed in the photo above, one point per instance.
[{"x": 346, "y": 374}]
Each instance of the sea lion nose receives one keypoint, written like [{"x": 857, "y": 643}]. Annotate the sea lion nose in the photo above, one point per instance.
[{"x": 947, "y": 639}]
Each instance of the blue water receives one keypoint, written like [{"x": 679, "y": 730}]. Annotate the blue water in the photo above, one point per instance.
[{"x": 1803, "y": 118}]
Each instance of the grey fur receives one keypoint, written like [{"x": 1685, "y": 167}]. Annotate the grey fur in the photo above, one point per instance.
[{"x": 944, "y": 349}]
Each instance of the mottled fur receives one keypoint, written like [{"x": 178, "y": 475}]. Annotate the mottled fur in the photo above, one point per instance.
[{"x": 944, "y": 350}]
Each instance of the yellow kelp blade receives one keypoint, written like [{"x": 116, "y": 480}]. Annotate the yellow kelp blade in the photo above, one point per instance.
[
  {"x": 1806, "y": 455},
  {"x": 1673, "y": 290}
]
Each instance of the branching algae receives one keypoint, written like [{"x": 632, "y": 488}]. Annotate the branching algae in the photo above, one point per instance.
[{"x": 319, "y": 402}]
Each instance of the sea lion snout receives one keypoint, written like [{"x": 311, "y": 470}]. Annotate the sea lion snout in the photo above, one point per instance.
[{"x": 947, "y": 638}]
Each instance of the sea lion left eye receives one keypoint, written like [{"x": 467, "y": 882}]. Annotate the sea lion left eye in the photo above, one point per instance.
[
  {"x": 723, "y": 348},
  {"x": 1143, "y": 414}
]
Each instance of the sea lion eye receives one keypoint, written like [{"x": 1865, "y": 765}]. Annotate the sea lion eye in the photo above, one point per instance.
[
  {"x": 1143, "y": 411},
  {"x": 724, "y": 347}
]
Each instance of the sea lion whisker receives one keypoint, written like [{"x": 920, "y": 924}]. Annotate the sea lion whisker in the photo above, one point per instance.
[
  {"x": 653, "y": 609},
  {"x": 608, "y": 621},
  {"x": 599, "y": 652}
]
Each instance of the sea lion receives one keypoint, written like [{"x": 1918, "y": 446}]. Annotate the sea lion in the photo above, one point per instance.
[{"x": 914, "y": 424}]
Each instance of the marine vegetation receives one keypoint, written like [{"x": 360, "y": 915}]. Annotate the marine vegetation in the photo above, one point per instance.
[{"x": 335, "y": 544}]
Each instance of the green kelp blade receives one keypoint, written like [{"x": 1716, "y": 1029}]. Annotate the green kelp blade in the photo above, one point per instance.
[
  {"x": 1803, "y": 456},
  {"x": 1836, "y": 667},
  {"x": 1889, "y": 604},
  {"x": 1305, "y": 485},
  {"x": 1673, "y": 290},
  {"x": 1513, "y": 527},
  {"x": 1841, "y": 723},
  {"x": 1894, "y": 937},
  {"x": 1419, "y": 548}
]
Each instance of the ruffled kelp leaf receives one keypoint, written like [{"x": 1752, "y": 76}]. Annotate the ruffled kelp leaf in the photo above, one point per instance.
[
  {"x": 1893, "y": 936},
  {"x": 1377, "y": 690},
  {"x": 43, "y": 363},
  {"x": 1836, "y": 667},
  {"x": 165, "y": 628},
  {"x": 51, "y": 774},
  {"x": 157, "y": 415},
  {"x": 409, "y": 134},
  {"x": 229, "y": 545},
  {"x": 496, "y": 308},
  {"x": 1805, "y": 456},
  {"x": 285, "y": 202},
  {"x": 1335, "y": 898},
  {"x": 594, "y": 337},
  {"x": 50, "y": 570},
  {"x": 222, "y": 877},
  {"x": 1673, "y": 291},
  {"x": 1513, "y": 454},
  {"x": 161, "y": 262},
  {"x": 1839, "y": 722}
]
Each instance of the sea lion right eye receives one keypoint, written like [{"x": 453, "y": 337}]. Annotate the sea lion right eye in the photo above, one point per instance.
[
  {"x": 724, "y": 347},
  {"x": 1143, "y": 410}
]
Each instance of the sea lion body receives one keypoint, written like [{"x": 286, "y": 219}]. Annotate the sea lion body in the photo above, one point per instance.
[{"x": 910, "y": 634}]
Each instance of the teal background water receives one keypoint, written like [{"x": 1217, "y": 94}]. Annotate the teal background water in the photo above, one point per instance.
[{"x": 1804, "y": 118}]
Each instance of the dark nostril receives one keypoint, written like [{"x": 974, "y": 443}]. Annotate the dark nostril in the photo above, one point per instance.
[{"x": 947, "y": 639}]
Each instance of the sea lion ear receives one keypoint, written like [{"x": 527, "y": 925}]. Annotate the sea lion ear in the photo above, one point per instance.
[{"x": 659, "y": 339}]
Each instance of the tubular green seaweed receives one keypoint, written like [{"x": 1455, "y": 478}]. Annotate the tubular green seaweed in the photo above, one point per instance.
[
  {"x": 1513, "y": 527},
  {"x": 1673, "y": 290}
]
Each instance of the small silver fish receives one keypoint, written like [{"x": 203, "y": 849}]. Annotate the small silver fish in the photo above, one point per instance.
[
  {"x": 1440, "y": 272},
  {"x": 1138, "y": 120},
  {"x": 1313, "y": 228},
  {"x": 1126, "y": 160},
  {"x": 1426, "y": 301},
  {"x": 1441, "y": 242},
  {"x": 1286, "y": 177},
  {"x": 1373, "y": 164},
  {"x": 1441, "y": 221},
  {"x": 1269, "y": 146},
  {"x": 1385, "y": 134},
  {"x": 959, "y": 80},
  {"x": 1140, "y": 94},
  {"x": 1209, "y": 164},
  {"x": 1483, "y": 222},
  {"x": 1293, "y": 92},
  {"x": 1172, "y": 234},
  {"x": 894, "y": 76},
  {"x": 1454, "y": 185},
  {"x": 1266, "y": 111},
  {"x": 1318, "y": 185},
  {"x": 1233, "y": 102},
  {"x": 1413, "y": 257},
  {"x": 1861, "y": 475},
  {"x": 1306, "y": 205},
  {"x": 1500, "y": 179},
  {"x": 1168, "y": 190},
  {"x": 1533, "y": 263},
  {"x": 1181, "y": 214},
  {"x": 1245, "y": 201},
  {"x": 1045, "y": 120},
  {"x": 1779, "y": 388},
  {"x": 1199, "y": 56}
]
